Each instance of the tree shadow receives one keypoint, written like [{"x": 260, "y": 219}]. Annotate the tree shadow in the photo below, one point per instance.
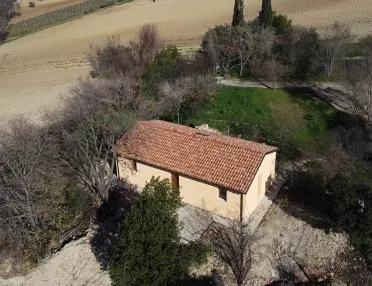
[
  {"x": 300, "y": 211},
  {"x": 105, "y": 237},
  {"x": 205, "y": 280}
]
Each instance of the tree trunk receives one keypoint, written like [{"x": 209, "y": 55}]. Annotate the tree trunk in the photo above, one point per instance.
[{"x": 238, "y": 16}]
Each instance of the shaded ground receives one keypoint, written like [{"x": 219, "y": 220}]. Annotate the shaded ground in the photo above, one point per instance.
[{"x": 105, "y": 230}]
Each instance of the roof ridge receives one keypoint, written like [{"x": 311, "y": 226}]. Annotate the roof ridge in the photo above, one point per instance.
[{"x": 241, "y": 143}]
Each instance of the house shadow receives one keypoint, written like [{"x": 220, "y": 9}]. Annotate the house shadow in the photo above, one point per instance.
[{"x": 105, "y": 236}]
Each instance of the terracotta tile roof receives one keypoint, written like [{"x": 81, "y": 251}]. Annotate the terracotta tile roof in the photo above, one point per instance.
[{"x": 216, "y": 159}]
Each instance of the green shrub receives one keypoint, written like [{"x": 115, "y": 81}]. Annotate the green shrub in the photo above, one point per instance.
[
  {"x": 149, "y": 251},
  {"x": 281, "y": 23},
  {"x": 162, "y": 67}
]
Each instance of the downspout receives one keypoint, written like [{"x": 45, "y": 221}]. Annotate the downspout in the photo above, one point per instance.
[
  {"x": 117, "y": 167},
  {"x": 241, "y": 207}
]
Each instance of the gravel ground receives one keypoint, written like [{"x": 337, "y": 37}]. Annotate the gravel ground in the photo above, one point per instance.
[
  {"x": 74, "y": 265},
  {"x": 282, "y": 232}
]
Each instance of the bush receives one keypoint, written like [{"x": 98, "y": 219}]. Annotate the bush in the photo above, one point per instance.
[
  {"x": 360, "y": 48},
  {"x": 150, "y": 252},
  {"x": 281, "y": 23},
  {"x": 162, "y": 67},
  {"x": 298, "y": 48},
  {"x": 111, "y": 60}
]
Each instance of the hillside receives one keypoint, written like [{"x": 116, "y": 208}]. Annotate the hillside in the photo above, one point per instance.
[{"x": 36, "y": 69}]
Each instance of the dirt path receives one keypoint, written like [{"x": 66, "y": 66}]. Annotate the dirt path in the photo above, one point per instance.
[{"x": 34, "y": 70}]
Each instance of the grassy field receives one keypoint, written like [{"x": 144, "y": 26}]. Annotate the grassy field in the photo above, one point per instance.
[{"x": 271, "y": 116}]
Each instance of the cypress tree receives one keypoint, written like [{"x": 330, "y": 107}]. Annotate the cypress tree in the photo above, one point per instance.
[
  {"x": 150, "y": 252},
  {"x": 266, "y": 14},
  {"x": 238, "y": 17}
]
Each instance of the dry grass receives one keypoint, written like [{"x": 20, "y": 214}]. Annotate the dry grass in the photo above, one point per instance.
[{"x": 35, "y": 69}]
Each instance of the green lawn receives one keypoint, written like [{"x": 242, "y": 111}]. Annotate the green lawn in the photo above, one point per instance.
[{"x": 272, "y": 116}]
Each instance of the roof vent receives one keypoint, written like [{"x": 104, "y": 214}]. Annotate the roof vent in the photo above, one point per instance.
[{"x": 204, "y": 128}]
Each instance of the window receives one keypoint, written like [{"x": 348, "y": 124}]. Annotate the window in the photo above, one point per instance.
[
  {"x": 134, "y": 166},
  {"x": 222, "y": 194}
]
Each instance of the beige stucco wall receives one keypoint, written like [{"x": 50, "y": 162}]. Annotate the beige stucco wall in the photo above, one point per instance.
[
  {"x": 260, "y": 184},
  {"x": 206, "y": 196},
  {"x": 143, "y": 174},
  {"x": 192, "y": 192}
]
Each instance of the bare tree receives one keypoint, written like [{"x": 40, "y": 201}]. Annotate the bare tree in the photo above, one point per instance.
[
  {"x": 26, "y": 173},
  {"x": 351, "y": 76},
  {"x": 6, "y": 8},
  {"x": 243, "y": 43},
  {"x": 191, "y": 89},
  {"x": 176, "y": 93},
  {"x": 365, "y": 86},
  {"x": 221, "y": 46},
  {"x": 335, "y": 39},
  {"x": 262, "y": 48},
  {"x": 116, "y": 59},
  {"x": 233, "y": 245},
  {"x": 270, "y": 70},
  {"x": 90, "y": 153},
  {"x": 147, "y": 44},
  {"x": 112, "y": 59},
  {"x": 239, "y": 46},
  {"x": 358, "y": 74},
  {"x": 98, "y": 95}
]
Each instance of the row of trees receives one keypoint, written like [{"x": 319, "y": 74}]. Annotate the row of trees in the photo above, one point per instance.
[
  {"x": 269, "y": 48},
  {"x": 6, "y": 8},
  {"x": 297, "y": 51},
  {"x": 260, "y": 51}
]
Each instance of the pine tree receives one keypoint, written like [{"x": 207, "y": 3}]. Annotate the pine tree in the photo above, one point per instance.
[
  {"x": 266, "y": 14},
  {"x": 238, "y": 17},
  {"x": 150, "y": 251}
]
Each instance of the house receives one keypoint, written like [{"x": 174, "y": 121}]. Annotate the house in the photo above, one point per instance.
[{"x": 225, "y": 175}]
